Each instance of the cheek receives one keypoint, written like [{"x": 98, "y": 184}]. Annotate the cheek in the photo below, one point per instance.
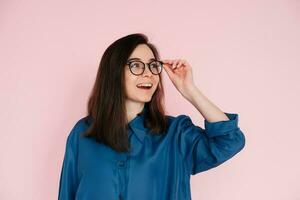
[
  {"x": 130, "y": 90},
  {"x": 130, "y": 83}
]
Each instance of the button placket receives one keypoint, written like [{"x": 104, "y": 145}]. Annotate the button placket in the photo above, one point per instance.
[{"x": 122, "y": 165}]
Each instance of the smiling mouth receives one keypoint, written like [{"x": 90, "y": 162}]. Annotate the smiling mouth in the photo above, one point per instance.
[{"x": 145, "y": 86}]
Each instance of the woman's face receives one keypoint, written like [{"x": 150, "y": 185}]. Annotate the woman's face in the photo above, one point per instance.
[{"x": 144, "y": 53}]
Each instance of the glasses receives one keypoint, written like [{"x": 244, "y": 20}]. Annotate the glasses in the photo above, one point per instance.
[{"x": 138, "y": 67}]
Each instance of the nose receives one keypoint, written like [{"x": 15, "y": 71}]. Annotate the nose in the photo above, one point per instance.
[{"x": 147, "y": 71}]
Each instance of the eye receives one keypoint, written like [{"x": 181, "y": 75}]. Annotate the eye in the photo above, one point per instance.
[
  {"x": 136, "y": 64},
  {"x": 155, "y": 64}
]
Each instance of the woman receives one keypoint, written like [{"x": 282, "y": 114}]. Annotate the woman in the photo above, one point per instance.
[{"x": 126, "y": 147}]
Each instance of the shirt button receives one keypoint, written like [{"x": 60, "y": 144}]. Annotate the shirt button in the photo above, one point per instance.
[{"x": 121, "y": 163}]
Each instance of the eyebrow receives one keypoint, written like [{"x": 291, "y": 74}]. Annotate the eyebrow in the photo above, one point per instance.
[{"x": 151, "y": 59}]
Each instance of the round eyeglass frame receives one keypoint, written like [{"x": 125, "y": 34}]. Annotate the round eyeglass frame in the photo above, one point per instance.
[{"x": 148, "y": 64}]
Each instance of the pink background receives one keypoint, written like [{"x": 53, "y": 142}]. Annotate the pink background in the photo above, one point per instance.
[{"x": 245, "y": 58}]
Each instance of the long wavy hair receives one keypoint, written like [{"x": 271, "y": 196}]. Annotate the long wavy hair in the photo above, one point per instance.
[{"x": 106, "y": 105}]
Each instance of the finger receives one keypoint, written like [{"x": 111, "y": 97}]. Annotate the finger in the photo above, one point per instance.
[
  {"x": 166, "y": 64},
  {"x": 180, "y": 63},
  {"x": 169, "y": 71},
  {"x": 174, "y": 65},
  {"x": 186, "y": 64}
]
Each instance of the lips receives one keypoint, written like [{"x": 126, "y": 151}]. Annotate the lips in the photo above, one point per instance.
[{"x": 144, "y": 85}]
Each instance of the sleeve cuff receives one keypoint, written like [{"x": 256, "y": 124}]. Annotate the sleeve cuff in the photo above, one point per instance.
[{"x": 221, "y": 127}]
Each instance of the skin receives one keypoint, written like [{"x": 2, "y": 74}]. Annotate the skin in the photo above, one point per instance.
[
  {"x": 179, "y": 72},
  {"x": 135, "y": 97}
]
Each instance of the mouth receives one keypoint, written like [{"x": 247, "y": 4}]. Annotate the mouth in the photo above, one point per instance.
[{"x": 144, "y": 86}]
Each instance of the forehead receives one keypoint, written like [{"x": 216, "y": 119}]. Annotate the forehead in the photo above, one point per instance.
[{"x": 143, "y": 52}]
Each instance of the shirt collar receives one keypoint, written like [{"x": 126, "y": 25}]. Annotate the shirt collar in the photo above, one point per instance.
[{"x": 137, "y": 125}]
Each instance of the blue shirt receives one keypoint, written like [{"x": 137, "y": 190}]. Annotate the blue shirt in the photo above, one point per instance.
[{"x": 158, "y": 167}]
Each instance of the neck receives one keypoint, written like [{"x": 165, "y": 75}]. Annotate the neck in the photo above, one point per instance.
[{"x": 133, "y": 108}]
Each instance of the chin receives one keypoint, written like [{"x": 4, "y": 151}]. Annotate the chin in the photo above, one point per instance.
[{"x": 144, "y": 100}]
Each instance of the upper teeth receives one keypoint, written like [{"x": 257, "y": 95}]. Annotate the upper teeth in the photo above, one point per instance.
[{"x": 145, "y": 84}]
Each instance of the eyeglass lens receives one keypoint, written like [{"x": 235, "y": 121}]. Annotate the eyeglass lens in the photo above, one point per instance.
[{"x": 137, "y": 67}]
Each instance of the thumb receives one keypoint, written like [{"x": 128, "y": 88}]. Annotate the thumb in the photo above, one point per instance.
[{"x": 168, "y": 69}]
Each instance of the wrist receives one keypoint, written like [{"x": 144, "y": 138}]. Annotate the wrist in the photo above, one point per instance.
[{"x": 191, "y": 92}]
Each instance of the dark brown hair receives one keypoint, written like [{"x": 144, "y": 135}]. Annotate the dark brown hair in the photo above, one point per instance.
[{"x": 106, "y": 105}]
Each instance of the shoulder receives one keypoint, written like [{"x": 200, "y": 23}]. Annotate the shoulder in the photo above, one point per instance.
[
  {"x": 77, "y": 129},
  {"x": 180, "y": 122},
  {"x": 81, "y": 124}
]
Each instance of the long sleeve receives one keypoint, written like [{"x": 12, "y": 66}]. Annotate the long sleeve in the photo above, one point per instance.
[
  {"x": 68, "y": 177},
  {"x": 203, "y": 149}
]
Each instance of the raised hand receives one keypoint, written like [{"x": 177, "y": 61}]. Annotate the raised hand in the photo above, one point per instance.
[{"x": 180, "y": 73}]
